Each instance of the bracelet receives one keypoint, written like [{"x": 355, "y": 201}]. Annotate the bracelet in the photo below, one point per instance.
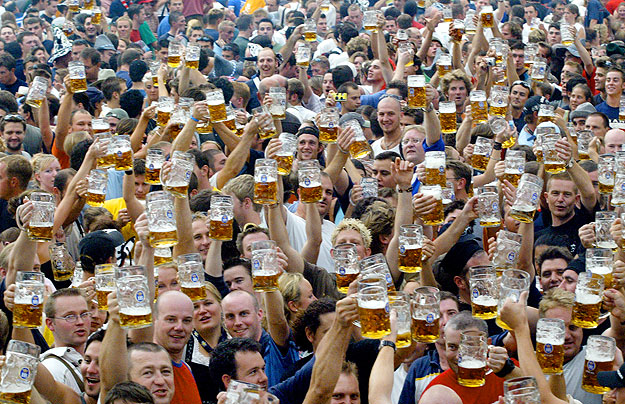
[
  {"x": 570, "y": 164},
  {"x": 508, "y": 367},
  {"x": 497, "y": 146},
  {"x": 195, "y": 119},
  {"x": 341, "y": 149},
  {"x": 350, "y": 198},
  {"x": 407, "y": 190}
]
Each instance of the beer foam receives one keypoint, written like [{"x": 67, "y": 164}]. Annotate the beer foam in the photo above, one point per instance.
[
  {"x": 471, "y": 363},
  {"x": 550, "y": 338},
  {"x": 372, "y": 304},
  {"x": 484, "y": 300},
  {"x": 584, "y": 298},
  {"x": 135, "y": 311},
  {"x": 601, "y": 270}
]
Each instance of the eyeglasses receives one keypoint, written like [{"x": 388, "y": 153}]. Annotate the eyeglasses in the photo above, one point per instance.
[
  {"x": 521, "y": 83},
  {"x": 72, "y": 318}
]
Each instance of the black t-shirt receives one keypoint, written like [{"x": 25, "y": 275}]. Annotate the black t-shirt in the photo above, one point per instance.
[
  {"x": 6, "y": 219},
  {"x": 569, "y": 230}
]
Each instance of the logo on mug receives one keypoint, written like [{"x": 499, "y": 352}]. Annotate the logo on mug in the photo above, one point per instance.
[
  {"x": 35, "y": 300},
  {"x": 194, "y": 278},
  {"x": 429, "y": 318},
  {"x": 548, "y": 348},
  {"x": 139, "y": 296},
  {"x": 25, "y": 373}
]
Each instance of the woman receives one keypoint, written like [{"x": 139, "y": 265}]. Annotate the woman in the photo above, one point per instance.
[
  {"x": 571, "y": 15},
  {"x": 45, "y": 168},
  {"x": 207, "y": 333},
  {"x": 297, "y": 294},
  {"x": 124, "y": 25},
  {"x": 358, "y": 58},
  {"x": 579, "y": 94},
  {"x": 150, "y": 90}
]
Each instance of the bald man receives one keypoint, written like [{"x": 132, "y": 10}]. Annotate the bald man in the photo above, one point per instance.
[
  {"x": 172, "y": 330},
  {"x": 614, "y": 140},
  {"x": 440, "y": 394},
  {"x": 389, "y": 116}
]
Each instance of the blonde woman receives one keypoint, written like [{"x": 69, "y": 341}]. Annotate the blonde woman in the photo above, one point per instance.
[
  {"x": 297, "y": 294},
  {"x": 124, "y": 26},
  {"x": 45, "y": 167}
]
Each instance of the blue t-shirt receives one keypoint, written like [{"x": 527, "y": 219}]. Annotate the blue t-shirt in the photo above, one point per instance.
[
  {"x": 421, "y": 373},
  {"x": 611, "y": 112},
  {"x": 277, "y": 359},
  {"x": 237, "y": 6},
  {"x": 372, "y": 99},
  {"x": 595, "y": 11},
  {"x": 438, "y": 146},
  {"x": 126, "y": 76}
]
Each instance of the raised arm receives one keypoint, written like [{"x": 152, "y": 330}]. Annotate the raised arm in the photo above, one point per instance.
[
  {"x": 310, "y": 251},
  {"x": 430, "y": 118},
  {"x": 113, "y": 353},
  {"x": 579, "y": 176},
  {"x": 287, "y": 50},
  {"x": 52, "y": 390},
  {"x": 65, "y": 111},
  {"x": 341, "y": 156},
  {"x": 382, "y": 50},
  {"x": 277, "y": 230},
  {"x": 137, "y": 135},
  {"x": 277, "y": 324},
  {"x": 22, "y": 257},
  {"x": 446, "y": 240},
  {"x": 44, "y": 125},
  {"x": 135, "y": 208},
  {"x": 430, "y": 26}
]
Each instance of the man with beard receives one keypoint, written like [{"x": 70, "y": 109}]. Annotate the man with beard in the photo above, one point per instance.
[
  {"x": 12, "y": 131},
  {"x": 8, "y": 80}
]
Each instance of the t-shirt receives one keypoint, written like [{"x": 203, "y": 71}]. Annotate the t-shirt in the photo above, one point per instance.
[
  {"x": 488, "y": 393},
  {"x": 296, "y": 228},
  {"x": 595, "y": 11},
  {"x": 12, "y": 88},
  {"x": 569, "y": 230},
  {"x": 421, "y": 373},
  {"x": 6, "y": 219},
  {"x": 323, "y": 283},
  {"x": 573, "y": 371},
  {"x": 377, "y": 147},
  {"x": 114, "y": 206},
  {"x": 185, "y": 388},
  {"x": 277, "y": 359},
  {"x": 611, "y": 112}
]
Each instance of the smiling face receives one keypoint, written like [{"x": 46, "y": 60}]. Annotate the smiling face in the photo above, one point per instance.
[
  {"x": 452, "y": 343},
  {"x": 206, "y": 314},
  {"x": 13, "y": 136},
  {"x": 174, "y": 323},
  {"x": 561, "y": 198},
  {"x": 574, "y": 334},
  {"x": 201, "y": 239},
  {"x": 238, "y": 278},
  {"x": 551, "y": 273},
  {"x": 90, "y": 369},
  {"x": 389, "y": 115},
  {"x": 308, "y": 147},
  {"x": 614, "y": 84},
  {"x": 241, "y": 318},
  {"x": 154, "y": 371}
]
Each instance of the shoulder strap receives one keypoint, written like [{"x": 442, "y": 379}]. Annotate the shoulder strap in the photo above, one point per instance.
[{"x": 80, "y": 383}]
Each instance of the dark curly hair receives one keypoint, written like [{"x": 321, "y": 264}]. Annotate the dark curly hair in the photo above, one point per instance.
[{"x": 311, "y": 319}]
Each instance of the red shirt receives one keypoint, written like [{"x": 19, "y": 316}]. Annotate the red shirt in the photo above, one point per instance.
[
  {"x": 135, "y": 36},
  {"x": 488, "y": 393},
  {"x": 186, "y": 389},
  {"x": 612, "y": 5}
]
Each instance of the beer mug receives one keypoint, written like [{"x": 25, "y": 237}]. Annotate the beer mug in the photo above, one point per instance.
[
  {"x": 539, "y": 70},
  {"x": 310, "y": 30},
  {"x": 416, "y": 92},
  {"x": 472, "y": 355},
  {"x": 521, "y": 390},
  {"x": 507, "y": 252},
  {"x": 174, "y": 53},
  {"x": 100, "y": 125},
  {"x": 373, "y": 308},
  {"x": 96, "y": 187},
  {"x": 400, "y": 302},
  {"x": 457, "y": 31},
  {"x": 42, "y": 218},
  {"x": 162, "y": 256},
  {"x": 370, "y": 21},
  {"x": 108, "y": 160},
  {"x": 481, "y": 153},
  {"x": 133, "y": 296},
  {"x": 243, "y": 393},
  {"x": 600, "y": 351},
  {"x": 469, "y": 24},
  {"x": 588, "y": 294},
  {"x": 570, "y": 127},
  {"x": 603, "y": 222},
  {"x": 447, "y": 117},
  {"x": 600, "y": 262},
  {"x": 104, "y": 284},
  {"x": 153, "y": 164},
  {"x": 265, "y": 268},
  {"x": 583, "y": 144},
  {"x": 499, "y": 125},
  {"x": 324, "y": 5},
  {"x": 550, "y": 334},
  {"x": 410, "y": 248},
  {"x": 192, "y": 56},
  {"x": 527, "y": 198},
  {"x": 618, "y": 193},
  {"x": 265, "y": 182},
  {"x": 77, "y": 76},
  {"x": 479, "y": 111},
  {"x": 447, "y": 16},
  {"x": 191, "y": 277},
  {"x": 488, "y": 207},
  {"x": 359, "y": 148},
  {"x": 221, "y": 218},
  {"x": 369, "y": 187},
  {"x": 177, "y": 121},
  {"x": 448, "y": 195},
  {"x": 329, "y": 125},
  {"x": 161, "y": 219},
  {"x": 499, "y": 103},
  {"x": 155, "y": 65},
  {"x": 216, "y": 105},
  {"x": 88, "y": 5},
  {"x": 96, "y": 18},
  {"x": 437, "y": 216},
  {"x": 177, "y": 181},
  {"x": 565, "y": 34},
  {"x": 302, "y": 55},
  {"x": 425, "y": 314},
  {"x": 345, "y": 258},
  {"x": 309, "y": 175},
  {"x": 513, "y": 282},
  {"x": 73, "y": 5},
  {"x": 284, "y": 157},
  {"x": 123, "y": 152},
  {"x": 443, "y": 64},
  {"x": 62, "y": 263},
  {"x": 528, "y": 59},
  {"x": 18, "y": 372},
  {"x": 278, "y": 102},
  {"x": 435, "y": 168},
  {"x": 37, "y": 92},
  {"x": 606, "y": 171},
  {"x": 268, "y": 130},
  {"x": 164, "y": 110},
  {"x": 545, "y": 112},
  {"x": 78, "y": 276},
  {"x": 406, "y": 47},
  {"x": 514, "y": 166},
  {"x": 29, "y": 293},
  {"x": 483, "y": 285},
  {"x": 375, "y": 265},
  {"x": 486, "y": 15}
]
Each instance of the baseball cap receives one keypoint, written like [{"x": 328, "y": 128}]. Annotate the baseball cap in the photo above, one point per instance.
[
  {"x": 583, "y": 110},
  {"x": 117, "y": 113},
  {"x": 97, "y": 247},
  {"x": 533, "y": 104},
  {"x": 613, "y": 378}
]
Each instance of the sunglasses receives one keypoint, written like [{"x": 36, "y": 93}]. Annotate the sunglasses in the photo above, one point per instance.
[
  {"x": 13, "y": 118},
  {"x": 521, "y": 83}
]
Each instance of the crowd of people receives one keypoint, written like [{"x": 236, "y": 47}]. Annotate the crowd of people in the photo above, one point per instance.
[{"x": 371, "y": 95}]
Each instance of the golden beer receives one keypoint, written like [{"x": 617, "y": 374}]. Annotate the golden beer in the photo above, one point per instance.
[
  {"x": 35, "y": 103},
  {"x": 230, "y": 124},
  {"x": 102, "y": 297},
  {"x": 375, "y": 321},
  {"x": 359, "y": 149},
  {"x": 285, "y": 164},
  {"x": 621, "y": 118},
  {"x": 40, "y": 233},
  {"x": 175, "y": 130},
  {"x": 192, "y": 64},
  {"x": 471, "y": 373},
  {"x": 499, "y": 110},
  {"x": 605, "y": 188},
  {"x": 180, "y": 191},
  {"x": 239, "y": 131},
  {"x": 88, "y": 5},
  {"x": 22, "y": 397},
  {"x": 448, "y": 122},
  {"x": 586, "y": 314},
  {"x": 554, "y": 168},
  {"x": 328, "y": 134},
  {"x": 96, "y": 19},
  {"x": 74, "y": 8},
  {"x": 512, "y": 178},
  {"x": 94, "y": 199},
  {"x": 217, "y": 112},
  {"x": 27, "y": 315},
  {"x": 589, "y": 379},
  {"x": 404, "y": 340},
  {"x": 524, "y": 214},
  {"x": 435, "y": 176},
  {"x": 443, "y": 69},
  {"x": 421, "y": 3},
  {"x": 265, "y": 193},
  {"x": 343, "y": 281},
  {"x": 484, "y": 307},
  {"x": 539, "y": 154},
  {"x": 372, "y": 28},
  {"x": 479, "y": 162},
  {"x": 416, "y": 97},
  {"x": 266, "y": 133},
  {"x": 436, "y": 217},
  {"x": 194, "y": 294},
  {"x": 135, "y": 318},
  {"x": 160, "y": 239},
  {"x": 487, "y": 20},
  {"x": 62, "y": 273},
  {"x": 550, "y": 358},
  {"x": 425, "y": 329},
  {"x": 153, "y": 176},
  {"x": 478, "y": 111},
  {"x": 78, "y": 85},
  {"x": 265, "y": 283},
  {"x": 584, "y": 156},
  {"x": 310, "y": 36},
  {"x": 107, "y": 161},
  {"x": 410, "y": 259},
  {"x": 162, "y": 117},
  {"x": 206, "y": 127},
  {"x": 502, "y": 324},
  {"x": 303, "y": 63},
  {"x": 155, "y": 81},
  {"x": 162, "y": 260},
  {"x": 456, "y": 34},
  {"x": 123, "y": 161},
  {"x": 604, "y": 273},
  {"x": 311, "y": 194},
  {"x": 220, "y": 230},
  {"x": 173, "y": 61}
]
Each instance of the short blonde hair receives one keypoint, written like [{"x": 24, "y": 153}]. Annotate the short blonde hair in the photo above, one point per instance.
[
  {"x": 288, "y": 284},
  {"x": 353, "y": 224},
  {"x": 455, "y": 75},
  {"x": 41, "y": 161},
  {"x": 555, "y": 297},
  {"x": 242, "y": 187},
  {"x": 73, "y": 139}
]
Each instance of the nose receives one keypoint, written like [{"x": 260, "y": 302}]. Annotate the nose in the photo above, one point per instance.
[
  {"x": 93, "y": 367},
  {"x": 159, "y": 379}
]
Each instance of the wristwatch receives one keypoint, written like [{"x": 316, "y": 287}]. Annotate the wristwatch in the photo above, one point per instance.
[
  {"x": 570, "y": 164},
  {"x": 384, "y": 343},
  {"x": 508, "y": 367}
]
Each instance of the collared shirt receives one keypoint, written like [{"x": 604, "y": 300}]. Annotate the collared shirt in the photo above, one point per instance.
[
  {"x": 59, "y": 371},
  {"x": 527, "y": 137}
]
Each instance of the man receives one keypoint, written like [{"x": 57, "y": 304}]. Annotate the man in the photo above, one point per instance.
[
  {"x": 599, "y": 124},
  {"x": 177, "y": 24},
  {"x": 140, "y": 29},
  {"x": 294, "y": 97},
  {"x": 242, "y": 319},
  {"x": 245, "y": 25},
  {"x": 12, "y": 131},
  {"x": 267, "y": 28},
  {"x": 456, "y": 86},
  {"x": 15, "y": 173},
  {"x": 352, "y": 102},
  {"x": 91, "y": 59},
  {"x": 389, "y": 115},
  {"x": 517, "y": 50},
  {"x": 172, "y": 329},
  {"x": 355, "y": 16},
  {"x": 308, "y": 145},
  {"x": 226, "y": 33},
  {"x": 27, "y": 41},
  {"x": 238, "y": 359},
  {"x": 614, "y": 140},
  {"x": 530, "y": 116},
  {"x": 319, "y": 65},
  {"x": 614, "y": 84},
  {"x": 163, "y": 26},
  {"x": 241, "y": 188},
  {"x": 459, "y": 174},
  {"x": 530, "y": 14},
  {"x": 382, "y": 169},
  {"x": 68, "y": 317},
  {"x": 603, "y": 64},
  {"x": 8, "y": 79},
  {"x": 553, "y": 34},
  {"x": 581, "y": 113},
  {"x": 112, "y": 88},
  {"x": 237, "y": 274},
  {"x": 552, "y": 263},
  {"x": 267, "y": 67},
  {"x": 519, "y": 94}
]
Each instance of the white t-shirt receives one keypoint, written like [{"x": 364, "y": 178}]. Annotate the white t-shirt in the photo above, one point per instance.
[
  {"x": 302, "y": 113},
  {"x": 296, "y": 228},
  {"x": 377, "y": 147},
  {"x": 573, "y": 372}
]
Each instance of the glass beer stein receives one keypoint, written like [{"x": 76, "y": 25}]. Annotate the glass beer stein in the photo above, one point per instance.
[
  {"x": 161, "y": 219},
  {"x": 133, "y": 296}
]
